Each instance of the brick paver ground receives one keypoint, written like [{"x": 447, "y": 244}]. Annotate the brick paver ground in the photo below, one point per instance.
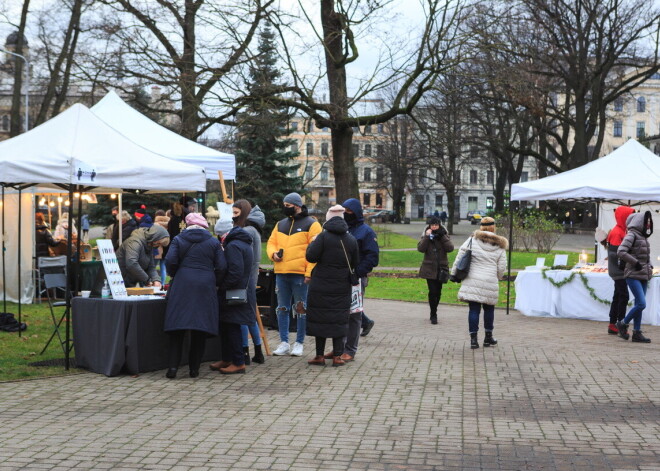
[{"x": 555, "y": 394}]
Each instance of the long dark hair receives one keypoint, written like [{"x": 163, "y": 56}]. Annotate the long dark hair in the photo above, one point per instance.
[{"x": 245, "y": 208}]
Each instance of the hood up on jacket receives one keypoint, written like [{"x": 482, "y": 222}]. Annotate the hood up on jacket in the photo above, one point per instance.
[
  {"x": 336, "y": 225},
  {"x": 354, "y": 205},
  {"x": 155, "y": 233},
  {"x": 618, "y": 232},
  {"x": 257, "y": 217},
  {"x": 492, "y": 239},
  {"x": 195, "y": 235},
  {"x": 641, "y": 223},
  {"x": 237, "y": 233}
]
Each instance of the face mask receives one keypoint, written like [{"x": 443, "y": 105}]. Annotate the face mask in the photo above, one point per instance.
[
  {"x": 289, "y": 210},
  {"x": 349, "y": 218},
  {"x": 235, "y": 219}
]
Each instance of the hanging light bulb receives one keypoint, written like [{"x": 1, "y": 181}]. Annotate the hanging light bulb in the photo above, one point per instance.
[
  {"x": 60, "y": 199},
  {"x": 67, "y": 203},
  {"x": 51, "y": 204},
  {"x": 113, "y": 196},
  {"x": 76, "y": 195},
  {"x": 42, "y": 201}
]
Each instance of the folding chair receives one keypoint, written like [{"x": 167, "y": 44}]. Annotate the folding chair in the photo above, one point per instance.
[
  {"x": 54, "y": 281},
  {"x": 49, "y": 265}
]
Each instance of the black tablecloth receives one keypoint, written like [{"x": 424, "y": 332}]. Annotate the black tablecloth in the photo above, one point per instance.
[{"x": 125, "y": 336}]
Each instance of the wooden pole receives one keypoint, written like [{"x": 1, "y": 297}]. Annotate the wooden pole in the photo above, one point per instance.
[
  {"x": 262, "y": 333},
  {"x": 223, "y": 189}
]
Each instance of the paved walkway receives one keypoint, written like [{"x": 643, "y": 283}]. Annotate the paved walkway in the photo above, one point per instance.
[{"x": 555, "y": 394}]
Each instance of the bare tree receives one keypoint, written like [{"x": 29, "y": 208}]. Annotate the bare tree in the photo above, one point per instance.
[
  {"x": 15, "y": 112},
  {"x": 412, "y": 68}
]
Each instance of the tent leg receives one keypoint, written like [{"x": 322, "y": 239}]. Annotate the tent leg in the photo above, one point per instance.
[
  {"x": 20, "y": 290},
  {"x": 67, "y": 311},
  {"x": 2, "y": 236},
  {"x": 508, "y": 278}
]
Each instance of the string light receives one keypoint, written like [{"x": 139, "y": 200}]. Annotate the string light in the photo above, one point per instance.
[
  {"x": 60, "y": 199},
  {"x": 113, "y": 196},
  {"x": 51, "y": 204}
]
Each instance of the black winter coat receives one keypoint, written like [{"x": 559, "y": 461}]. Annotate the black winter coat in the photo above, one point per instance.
[
  {"x": 238, "y": 252},
  {"x": 329, "y": 294},
  {"x": 126, "y": 231},
  {"x": 43, "y": 239},
  {"x": 195, "y": 262}
]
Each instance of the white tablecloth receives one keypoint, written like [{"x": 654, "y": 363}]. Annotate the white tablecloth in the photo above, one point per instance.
[{"x": 538, "y": 297}]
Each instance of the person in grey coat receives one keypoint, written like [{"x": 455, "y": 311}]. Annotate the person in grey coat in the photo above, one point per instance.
[
  {"x": 635, "y": 250},
  {"x": 136, "y": 259},
  {"x": 196, "y": 263}
]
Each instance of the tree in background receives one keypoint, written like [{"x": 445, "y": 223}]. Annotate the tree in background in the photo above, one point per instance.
[{"x": 265, "y": 170}]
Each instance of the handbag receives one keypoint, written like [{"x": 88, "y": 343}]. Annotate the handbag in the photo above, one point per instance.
[
  {"x": 235, "y": 297},
  {"x": 463, "y": 265},
  {"x": 352, "y": 276},
  {"x": 357, "y": 302}
]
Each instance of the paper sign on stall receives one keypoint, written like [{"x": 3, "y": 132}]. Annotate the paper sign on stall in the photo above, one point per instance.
[
  {"x": 111, "y": 267},
  {"x": 225, "y": 211},
  {"x": 561, "y": 259}
]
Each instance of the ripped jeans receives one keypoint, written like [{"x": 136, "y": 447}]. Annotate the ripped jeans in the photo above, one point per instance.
[{"x": 291, "y": 293}]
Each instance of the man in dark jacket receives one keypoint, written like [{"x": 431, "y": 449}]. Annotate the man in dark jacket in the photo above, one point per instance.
[
  {"x": 135, "y": 256},
  {"x": 368, "y": 250}
]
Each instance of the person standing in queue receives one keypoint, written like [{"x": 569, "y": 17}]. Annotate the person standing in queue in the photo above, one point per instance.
[
  {"x": 635, "y": 250},
  {"x": 620, "y": 297},
  {"x": 286, "y": 248},
  {"x": 196, "y": 263},
  {"x": 435, "y": 244},
  {"x": 335, "y": 255}
]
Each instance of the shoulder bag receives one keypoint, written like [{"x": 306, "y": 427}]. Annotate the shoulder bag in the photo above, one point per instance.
[
  {"x": 351, "y": 272},
  {"x": 463, "y": 265},
  {"x": 356, "y": 286}
]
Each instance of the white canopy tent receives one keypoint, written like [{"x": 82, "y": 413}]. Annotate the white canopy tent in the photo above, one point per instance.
[{"x": 142, "y": 130}]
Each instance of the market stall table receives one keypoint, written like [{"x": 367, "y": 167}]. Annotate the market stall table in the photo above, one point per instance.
[
  {"x": 536, "y": 296},
  {"x": 125, "y": 336}
]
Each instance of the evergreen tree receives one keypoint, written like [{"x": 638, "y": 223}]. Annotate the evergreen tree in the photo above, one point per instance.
[{"x": 266, "y": 171}]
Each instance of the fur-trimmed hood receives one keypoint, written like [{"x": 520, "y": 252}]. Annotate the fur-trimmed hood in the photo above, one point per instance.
[{"x": 492, "y": 239}]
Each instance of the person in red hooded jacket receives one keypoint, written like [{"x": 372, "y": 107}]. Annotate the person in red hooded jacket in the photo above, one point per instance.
[{"x": 620, "y": 297}]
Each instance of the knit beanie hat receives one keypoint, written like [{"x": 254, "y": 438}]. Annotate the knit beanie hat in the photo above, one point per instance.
[
  {"x": 433, "y": 220},
  {"x": 294, "y": 199},
  {"x": 335, "y": 211},
  {"x": 196, "y": 219},
  {"x": 222, "y": 227},
  {"x": 142, "y": 210}
]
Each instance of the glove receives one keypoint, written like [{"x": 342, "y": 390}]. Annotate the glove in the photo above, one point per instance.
[{"x": 638, "y": 266}]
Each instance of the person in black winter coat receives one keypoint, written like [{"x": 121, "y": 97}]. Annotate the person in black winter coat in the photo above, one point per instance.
[
  {"x": 196, "y": 263},
  {"x": 335, "y": 253},
  {"x": 238, "y": 252},
  {"x": 42, "y": 237}
]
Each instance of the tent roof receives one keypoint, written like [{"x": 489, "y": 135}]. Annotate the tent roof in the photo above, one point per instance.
[
  {"x": 632, "y": 172},
  {"x": 142, "y": 130},
  {"x": 76, "y": 147}
]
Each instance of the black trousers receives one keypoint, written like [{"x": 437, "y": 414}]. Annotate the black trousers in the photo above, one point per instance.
[
  {"x": 435, "y": 290},
  {"x": 337, "y": 345},
  {"x": 231, "y": 342},
  {"x": 197, "y": 344},
  {"x": 619, "y": 301}
]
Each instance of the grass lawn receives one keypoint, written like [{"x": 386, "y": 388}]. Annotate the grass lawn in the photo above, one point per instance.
[
  {"x": 16, "y": 352},
  {"x": 415, "y": 290}
]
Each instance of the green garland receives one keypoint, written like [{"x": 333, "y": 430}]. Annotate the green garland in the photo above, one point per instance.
[{"x": 585, "y": 282}]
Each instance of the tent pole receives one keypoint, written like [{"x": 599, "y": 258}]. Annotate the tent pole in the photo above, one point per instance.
[
  {"x": 595, "y": 241},
  {"x": 67, "y": 311},
  {"x": 18, "y": 248},
  {"x": 4, "y": 279},
  {"x": 508, "y": 278},
  {"x": 78, "y": 240},
  {"x": 119, "y": 218}
]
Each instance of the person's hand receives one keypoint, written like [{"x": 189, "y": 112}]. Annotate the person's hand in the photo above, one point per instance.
[
  {"x": 148, "y": 284},
  {"x": 276, "y": 257},
  {"x": 308, "y": 279},
  {"x": 157, "y": 284},
  {"x": 428, "y": 232},
  {"x": 638, "y": 266}
]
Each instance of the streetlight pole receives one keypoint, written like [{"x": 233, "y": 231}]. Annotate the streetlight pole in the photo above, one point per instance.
[{"x": 27, "y": 85}]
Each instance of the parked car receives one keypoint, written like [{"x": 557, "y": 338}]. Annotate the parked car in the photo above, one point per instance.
[
  {"x": 383, "y": 215},
  {"x": 475, "y": 216}
]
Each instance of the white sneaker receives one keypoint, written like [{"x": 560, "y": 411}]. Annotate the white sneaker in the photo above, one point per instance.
[
  {"x": 283, "y": 349},
  {"x": 297, "y": 350}
]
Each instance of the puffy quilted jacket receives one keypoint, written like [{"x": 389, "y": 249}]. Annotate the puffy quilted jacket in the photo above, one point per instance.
[
  {"x": 486, "y": 268},
  {"x": 293, "y": 235},
  {"x": 635, "y": 248}
]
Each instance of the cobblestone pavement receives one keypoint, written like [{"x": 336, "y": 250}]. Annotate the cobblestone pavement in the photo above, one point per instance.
[{"x": 555, "y": 394}]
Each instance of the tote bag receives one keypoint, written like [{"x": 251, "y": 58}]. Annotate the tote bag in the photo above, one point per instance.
[{"x": 463, "y": 265}]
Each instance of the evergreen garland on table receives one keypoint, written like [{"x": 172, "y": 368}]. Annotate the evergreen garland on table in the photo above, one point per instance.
[{"x": 571, "y": 277}]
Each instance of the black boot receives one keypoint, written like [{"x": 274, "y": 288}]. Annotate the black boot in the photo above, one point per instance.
[
  {"x": 171, "y": 373},
  {"x": 638, "y": 337},
  {"x": 489, "y": 340},
  {"x": 474, "y": 343},
  {"x": 258, "y": 355},
  {"x": 434, "y": 318},
  {"x": 246, "y": 352},
  {"x": 623, "y": 330}
]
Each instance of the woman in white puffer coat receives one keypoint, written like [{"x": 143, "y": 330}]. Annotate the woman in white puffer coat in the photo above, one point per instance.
[{"x": 481, "y": 287}]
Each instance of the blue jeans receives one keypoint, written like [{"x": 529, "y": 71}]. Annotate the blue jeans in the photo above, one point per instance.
[
  {"x": 473, "y": 316},
  {"x": 638, "y": 289},
  {"x": 163, "y": 271},
  {"x": 253, "y": 330},
  {"x": 291, "y": 290}
]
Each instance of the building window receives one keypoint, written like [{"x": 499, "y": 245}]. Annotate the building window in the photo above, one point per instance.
[
  {"x": 367, "y": 150},
  {"x": 381, "y": 129},
  {"x": 356, "y": 150},
  {"x": 294, "y": 125},
  {"x": 379, "y": 200},
  {"x": 367, "y": 129},
  {"x": 473, "y": 177},
  {"x": 618, "y": 128},
  {"x": 367, "y": 199},
  {"x": 473, "y": 203},
  {"x": 367, "y": 174},
  {"x": 524, "y": 176},
  {"x": 490, "y": 202},
  {"x": 641, "y": 129},
  {"x": 324, "y": 149},
  {"x": 457, "y": 176},
  {"x": 490, "y": 177},
  {"x": 618, "y": 104},
  {"x": 5, "y": 123},
  {"x": 326, "y": 129},
  {"x": 309, "y": 172},
  {"x": 422, "y": 176},
  {"x": 355, "y": 129},
  {"x": 310, "y": 148},
  {"x": 324, "y": 174},
  {"x": 438, "y": 200},
  {"x": 641, "y": 104},
  {"x": 294, "y": 147},
  {"x": 380, "y": 150},
  {"x": 379, "y": 174},
  {"x": 310, "y": 128}
]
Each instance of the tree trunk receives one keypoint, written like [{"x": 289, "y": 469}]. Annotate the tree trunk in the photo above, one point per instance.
[
  {"x": 343, "y": 165},
  {"x": 500, "y": 187},
  {"x": 15, "y": 113},
  {"x": 189, "y": 107},
  {"x": 451, "y": 207}
]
